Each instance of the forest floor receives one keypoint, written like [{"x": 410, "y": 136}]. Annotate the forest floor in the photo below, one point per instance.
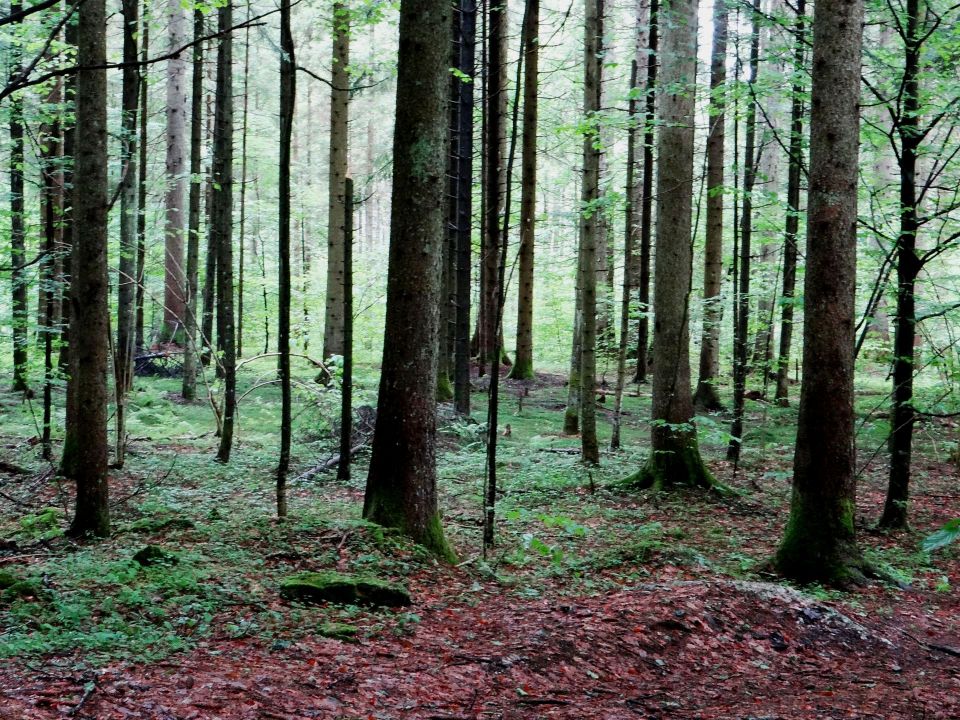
[{"x": 597, "y": 602}]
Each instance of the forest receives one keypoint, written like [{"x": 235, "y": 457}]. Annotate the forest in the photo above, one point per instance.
[{"x": 451, "y": 359}]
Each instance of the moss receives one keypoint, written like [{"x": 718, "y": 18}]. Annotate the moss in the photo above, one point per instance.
[
  {"x": 21, "y": 589},
  {"x": 346, "y": 589},
  {"x": 338, "y": 631},
  {"x": 683, "y": 468},
  {"x": 385, "y": 509},
  {"x": 154, "y": 555},
  {"x": 819, "y": 544},
  {"x": 436, "y": 542},
  {"x": 7, "y": 579},
  {"x": 444, "y": 388},
  {"x": 521, "y": 370}
]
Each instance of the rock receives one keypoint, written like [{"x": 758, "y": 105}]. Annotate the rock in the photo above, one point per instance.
[
  {"x": 154, "y": 555},
  {"x": 347, "y": 589}
]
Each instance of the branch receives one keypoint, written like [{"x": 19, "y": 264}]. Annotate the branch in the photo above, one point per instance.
[{"x": 26, "y": 12}]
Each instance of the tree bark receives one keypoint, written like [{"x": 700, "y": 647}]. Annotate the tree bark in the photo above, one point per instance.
[
  {"x": 140, "y": 340},
  {"x": 18, "y": 249},
  {"x": 88, "y": 297},
  {"x": 401, "y": 485},
  {"x": 523, "y": 362},
  {"x": 675, "y": 454},
  {"x": 174, "y": 308},
  {"x": 706, "y": 397},
  {"x": 221, "y": 224},
  {"x": 339, "y": 142},
  {"x": 819, "y": 543}
]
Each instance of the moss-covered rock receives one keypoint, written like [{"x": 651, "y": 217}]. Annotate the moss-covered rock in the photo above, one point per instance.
[
  {"x": 347, "y": 589},
  {"x": 154, "y": 555},
  {"x": 338, "y": 631},
  {"x": 7, "y": 579}
]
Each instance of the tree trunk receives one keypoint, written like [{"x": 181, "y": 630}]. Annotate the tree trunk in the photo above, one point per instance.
[
  {"x": 646, "y": 202},
  {"x": 794, "y": 178},
  {"x": 174, "y": 308},
  {"x": 126, "y": 276},
  {"x": 18, "y": 249},
  {"x": 241, "y": 265},
  {"x": 221, "y": 224},
  {"x": 523, "y": 362},
  {"x": 571, "y": 415},
  {"x": 706, "y": 397},
  {"x": 590, "y": 222},
  {"x": 902, "y": 414},
  {"x": 819, "y": 542},
  {"x": 339, "y": 141},
  {"x": 140, "y": 340},
  {"x": 675, "y": 454},
  {"x": 191, "y": 352},
  {"x": 88, "y": 297},
  {"x": 288, "y": 95},
  {"x": 742, "y": 304},
  {"x": 401, "y": 485},
  {"x": 346, "y": 381},
  {"x": 467, "y": 44}
]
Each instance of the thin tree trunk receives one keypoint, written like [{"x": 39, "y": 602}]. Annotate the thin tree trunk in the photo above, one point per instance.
[
  {"x": 346, "y": 381},
  {"x": 241, "y": 265},
  {"x": 741, "y": 344},
  {"x": 794, "y": 178},
  {"x": 140, "y": 340},
  {"x": 571, "y": 414},
  {"x": 467, "y": 42},
  {"x": 222, "y": 224},
  {"x": 590, "y": 222},
  {"x": 339, "y": 166},
  {"x": 706, "y": 396},
  {"x": 191, "y": 353},
  {"x": 18, "y": 250},
  {"x": 523, "y": 362},
  {"x": 174, "y": 308},
  {"x": 127, "y": 279},
  {"x": 288, "y": 95},
  {"x": 401, "y": 485},
  {"x": 646, "y": 203},
  {"x": 89, "y": 313},
  {"x": 675, "y": 455},
  {"x": 819, "y": 543}
]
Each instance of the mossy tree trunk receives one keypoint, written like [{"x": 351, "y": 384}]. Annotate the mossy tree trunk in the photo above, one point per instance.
[
  {"x": 819, "y": 543},
  {"x": 706, "y": 396},
  {"x": 89, "y": 315},
  {"x": 675, "y": 455},
  {"x": 401, "y": 484}
]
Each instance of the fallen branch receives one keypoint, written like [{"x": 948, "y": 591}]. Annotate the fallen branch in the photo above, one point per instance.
[{"x": 331, "y": 463}]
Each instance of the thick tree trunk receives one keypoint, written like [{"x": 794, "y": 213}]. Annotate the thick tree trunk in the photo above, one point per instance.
[
  {"x": 191, "y": 352},
  {"x": 706, "y": 397},
  {"x": 819, "y": 542},
  {"x": 288, "y": 95},
  {"x": 794, "y": 178},
  {"x": 902, "y": 415},
  {"x": 174, "y": 308},
  {"x": 127, "y": 264},
  {"x": 646, "y": 200},
  {"x": 742, "y": 304},
  {"x": 339, "y": 141},
  {"x": 523, "y": 362},
  {"x": 221, "y": 224},
  {"x": 467, "y": 44},
  {"x": 401, "y": 485},
  {"x": 589, "y": 229},
  {"x": 675, "y": 454},
  {"x": 88, "y": 297}
]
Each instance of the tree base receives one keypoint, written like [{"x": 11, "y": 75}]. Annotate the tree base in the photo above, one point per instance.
[
  {"x": 706, "y": 398},
  {"x": 683, "y": 468},
  {"x": 571, "y": 422},
  {"x": 521, "y": 370},
  {"x": 431, "y": 536},
  {"x": 444, "y": 389}
]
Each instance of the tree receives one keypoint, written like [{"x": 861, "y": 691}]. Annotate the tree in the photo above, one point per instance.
[
  {"x": 706, "y": 396},
  {"x": 675, "y": 455},
  {"x": 288, "y": 95},
  {"x": 819, "y": 542},
  {"x": 89, "y": 316},
  {"x": 174, "y": 308},
  {"x": 221, "y": 224},
  {"x": 590, "y": 222},
  {"x": 142, "y": 181},
  {"x": 18, "y": 276},
  {"x": 523, "y": 362},
  {"x": 339, "y": 139},
  {"x": 401, "y": 484},
  {"x": 126, "y": 276}
]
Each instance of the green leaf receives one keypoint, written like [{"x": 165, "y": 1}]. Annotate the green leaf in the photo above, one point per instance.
[{"x": 942, "y": 537}]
